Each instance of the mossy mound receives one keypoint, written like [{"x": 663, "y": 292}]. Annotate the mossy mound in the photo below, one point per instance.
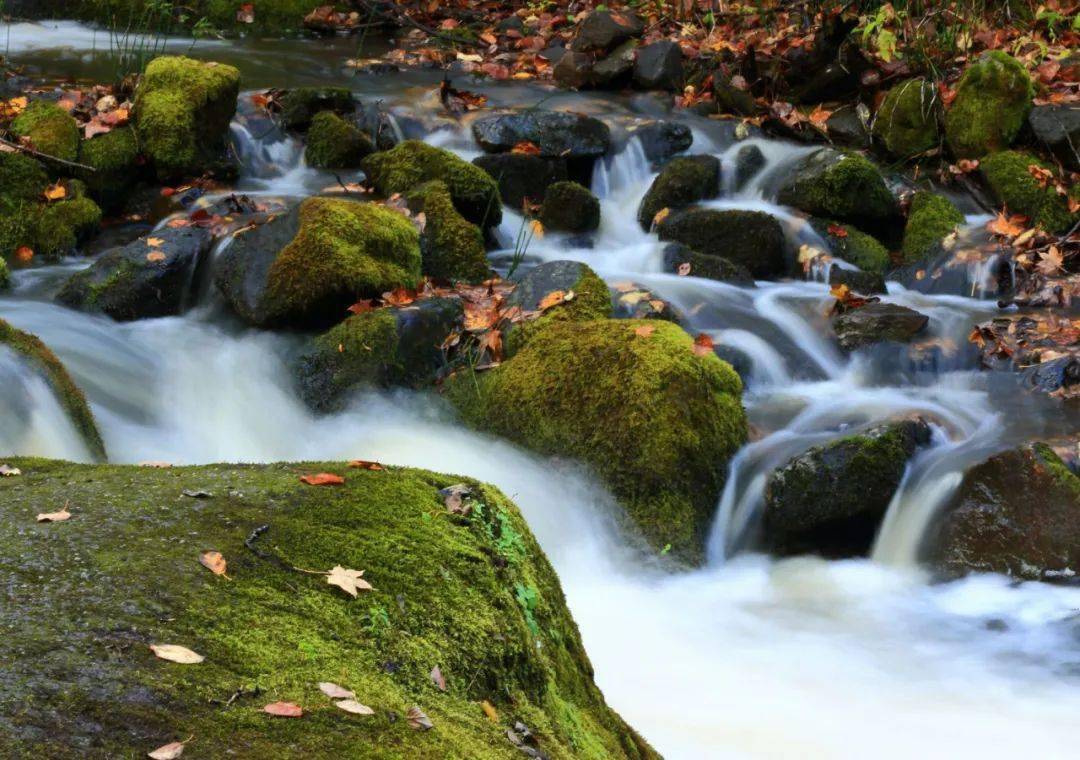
[
  {"x": 114, "y": 156},
  {"x": 570, "y": 207},
  {"x": 853, "y": 246},
  {"x": 60, "y": 227},
  {"x": 840, "y": 185},
  {"x": 908, "y": 121},
  {"x": 333, "y": 143},
  {"x": 50, "y": 129},
  {"x": 1015, "y": 188},
  {"x": 182, "y": 112},
  {"x": 301, "y": 105},
  {"x": 21, "y": 178},
  {"x": 931, "y": 218},
  {"x": 270, "y": 16},
  {"x": 472, "y": 595},
  {"x": 71, "y": 399},
  {"x": 411, "y": 163},
  {"x": 452, "y": 247},
  {"x": 49, "y": 230},
  {"x": 653, "y": 418},
  {"x": 684, "y": 181},
  {"x": 308, "y": 266},
  {"x": 592, "y": 299},
  {"x": 992, "y": 102}
]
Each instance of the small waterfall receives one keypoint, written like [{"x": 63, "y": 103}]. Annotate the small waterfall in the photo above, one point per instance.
[{"x": 33, "y": 422}]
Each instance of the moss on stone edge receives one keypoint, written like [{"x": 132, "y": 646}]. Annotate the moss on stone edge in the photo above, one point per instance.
[
  {"x": 1061, "y": 473},
  {"x": 453, "y": 247},
  {"x": 931, "y": 218},
  {"x": 653, "y": 419},
  {"x": 841, "y": 185},
  {"x": 1015, "y": 188},
  {"x": 50, "y": 129},
  {"x": 333, "y": 143},
  {"x": 854, "y": 246},
  {"x": 473, "y": 595},
  {"x": 61, "y": 226},
  {"x": 992, "y": 102},
  {"x": 342, "y": 246},
  {"x": 69, "y": 396},
  {"x": 908, "y": 122},
  {"x": 410, "y": 163},
  {"x": 5, "y": 277},
  {"x": 300, "y": 105},
  {"x": 21, "y": 178},
  {"x": 592, "y": 300},
  {"x": 114, "y": 157},
  {"x": 182, "y": 112},
  {"x": 570, "y": 207}
]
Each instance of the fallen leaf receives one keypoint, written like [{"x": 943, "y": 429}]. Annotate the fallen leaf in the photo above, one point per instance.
[
  {"x": 1051, "y": 262},
  {"x": 703, "y": 345},
  {"x": 363, "y": 306},
  {"x": 322, "y": 479},
  {"x": 154, "y": 242},
  {"x": 176, "y": 653},
  {"x": 837, "y": 231},
  {"x": 60, "y": 516},
  {"x": 660, "y": 216},
  {"x": 418, "y": 720},
  {"x": 7, "y": 471},
  {"x": 354, "y": 707},
  {"x": 644, "y": 331},
  {"x": 55, "y": 192},
  {"x": 360, "y": 464},
  {"x": 349, "y": 581},
  {"x": 24, "y": 254},
  {"x": 527, "y": 148},
  {"x": 334, "y": 691},
  {"x": 554, "y": 298},
  {"x": 1009, "y": 226},
  {"x": 155, "y": 257},
  {"x": 437, "y": 678},
  {"x": 213, "y": 561},
  {"x": 490, "y": 711},
  {"x": 537, "y": 229},
  {"x": 684, "y": 269},
  {"x": 283, "y": 710},
  {"x": 169, "y": 751}
]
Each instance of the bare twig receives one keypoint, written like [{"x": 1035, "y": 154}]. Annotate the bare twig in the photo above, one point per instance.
[{"x": 46, "y": 156}]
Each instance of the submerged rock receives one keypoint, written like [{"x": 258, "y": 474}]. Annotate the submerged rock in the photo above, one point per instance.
[
  {"x": 683, "y": 182},
  {"x": 471, "y": 594},
  {"x": 333, "y": 143},
  {"x": 1013, "y": 186},
  {"x": 521, "y": 177},
  {"x": 750, "y": 239},
  {"x": 908, "y": 122},
  {"x": 1058, "y": 129},
  {"x": 570, "y": 207},
  {"x": 877, "y": 322},
  {"x": 451, "y": 247},
  {"x": 558, "y": 134},
  {"x": 150, "y": 277},
  {"x": 1017, "y": 513},
  {"x": 992, "y": 102},
  {"x": 931, "y": 219},
  {"x": 840, "y": 185}
]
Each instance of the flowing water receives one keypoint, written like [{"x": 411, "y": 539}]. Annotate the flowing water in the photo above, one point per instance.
[{"x": 748, "y": 656}]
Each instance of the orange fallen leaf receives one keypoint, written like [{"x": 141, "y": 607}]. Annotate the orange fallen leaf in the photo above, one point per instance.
[
  {"x": 490, "y": 711},
  {"x": 155, "y": 257},
  {"x": 363, "y": 306},
  {"x": 554, "y": 298},
  {"x": 55, "y": 192},
  {"x": 154, "y": 242},
  {"x": 213, "y": 561},
  {"x": 837, "y": 231},
  {"x": 361, "y": 464},
  {"x": 1009, "y": 226},
  {"x": 537, "y": 228},
  {"x": 322, "y": 479},
  {"x": 703, "y": 345},
  {"x": 24, "y": 254},
  {"x": 660, "y": 216},
  {"x": 283, "y": 710},
  {"x": 527, "y": 148},
  {"x": 645, "y": 331}
]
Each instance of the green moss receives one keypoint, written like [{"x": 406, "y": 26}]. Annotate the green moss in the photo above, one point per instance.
[
  {"x": 840, "y": 185},
  {"x": 992, "y": 102},
  {"x": 182, "y": 112},
  {"x": 333, "y": 143},
  {"x": 60, "y": 227},
  {"x": 653, "y": 419},
  {"x": 685, "y": 180},
  {"x": 5, "y": 276},
  {"x": 931, "y": 219},
  {"x": 570, "y": 207},
  {"x": 592, "y": 300},
  {"x": 21, "y": 178},
  {"x": 50, "y": 129},
  {"x": 1017, "y": 190},
  {"x": 300, "y": 105},
  {"x": 125, "y": 574},
  {"x": 453, "y": 247},
  {"x": 1063, "y": 476},
  {"x": 908, "y": 122},
  {"x": 114, "y": 157},
  {"x": 67, "y": 393},
  {"x": 408, "y": 164},
  {"x": 854, "y": 246}
]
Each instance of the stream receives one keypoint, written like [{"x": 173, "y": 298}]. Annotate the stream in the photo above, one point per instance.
[{"x": 746, "y": 657}]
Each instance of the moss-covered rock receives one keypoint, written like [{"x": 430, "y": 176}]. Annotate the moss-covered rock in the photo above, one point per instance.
[
  {"x": 591, "y": 299},
  {"x": 840, "y": 185},
  {"x": 853, "y": 246},
  {"x": 472, "y": 595},
  {"x": 683, "y": 182},
  {"x": 71, "y": 399},
  {"x": 333, "y": 143},
  {"x": 1015, "y": 188},
  {"x": 452, "y": 247},
  {"x": 300, "y": 105},
  {"x": 182, "y": 112},
  {"x": 931, "y": 219},
  {"x": 570, "y": 207},
  {"x": 992, "y": 101},
  {"x": 114, "y": 157},
  {"x": 751, "y": 239},
  {"x": 5, "y": 276},
  {"x": 411, "y": 163},
  {"x": 655, "y": 420},
  {"x": 21, "y": 178},
  {"x": 50, "y": 129},
  {"x": 308, "y": 266},
  {"x": 522, "y": 177},
  {"x": 908, "y": 121},
  {"x": 60, "y": 227}
]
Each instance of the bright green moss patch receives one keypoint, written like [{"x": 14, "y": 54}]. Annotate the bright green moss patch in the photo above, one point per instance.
[
  {"x": 124, "y": 574},
  {"x": 1017, "y": 190},
  {"x": 907, "y": 122},
  {"x": 50, "y": 129},
  {"x": 408, "y": 164},
  {"x": 453, "y": 247},
  {"x": 931, "y": 219},
  {"x": 61, "y": 226},
  {"x": 333, "y": 143},
  {"x": 592, "y": 300},
  {"x": 840, "y": 185},
  {"x": 114, "y": 157},
  {"x": 5, "y": 276},
  {"x": 21, "y": 178},
  {"x": 570, "y": 207},
  {"x": 656, "y": 421},
  {"x": 992, "y": 102},
  {"x": 69, "y": 396},
  {"x": 853, "y": 246}
]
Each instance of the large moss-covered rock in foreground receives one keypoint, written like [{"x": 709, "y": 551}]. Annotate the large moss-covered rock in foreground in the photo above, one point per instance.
[
  {"x": 309, "y": 265},
  {"x": 908, "y": 122},
  {"x": 182, "y": 112},
  {"x": 1010, "y": 180},
  {"x": 452, "y": 247},
  {"x": 1017, "y": 513},
  {"x": 50, "y": 129},
  {"x": 992, "y": 102},
  {"x": 472, "y": 595},
  {"x": 43, "y": 361},
  {"x": 840, "y": 185},
  {"x": 408, "y": 164},
  {"x": 684, "y": 181},
  {"x": 652, "y": 417},
  {"x": 931, "y": 219}
]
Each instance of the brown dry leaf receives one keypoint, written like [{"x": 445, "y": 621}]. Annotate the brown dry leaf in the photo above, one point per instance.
[
  {"x": 361, "y": 464},
  {"x": 644, "y": 331},
  {"x": 490, "y": 711},
  {"x": 334, "y": 691},
  {"x": 322, "y": 479},
  {"x": 362, "y": 306},
  {"x": 61, "y": 516},
  {"x": 1051, "y": 262},
  {"x": 437, "y": 678},
  {"x": 1043, "y": 176},
  {"x": 1009, "y": 226},
  {"x": 283, "y": 710},
  {"x": 703, "y": 345},
  {"x": 684, "y": 269},
  {"x": 55, "y": 192},
  {"x": 176, "y": 653},
  {"x": 214, "y": 562},
  {"x": 399, "y": 297},
  {"x": 155, "y": 257},
  {"x": 349, "y": 581},
  {"x": 491, "y": 341},
  {"x": 418, "y": 720},
  {"x": 169, "y": 751},
  {"x": 454, "y": 498},
  {"x": 554, "y": 298},
  {"x": 24, "y": 254},
  {"x": 819, "y": 116},
  {"x": 354, "y": 707}
]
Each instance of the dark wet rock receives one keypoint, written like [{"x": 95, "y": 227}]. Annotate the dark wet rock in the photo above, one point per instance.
[
  {"x": 558, "y": 134},
  {"x": 382, "y": 348},
  {"x": 614, "y": 70},
  {"x": 836, "y": 81},
  {"x": 853, "y": 246},
  {"x": 141, "y": 280},
  {"x": 748, "y": 162},
  {"x": 847, "y": 128},
  {"x": 570, "y": 207},
  {"x": 1061, "y": 376},
  {"x": 1058, "y": 129},
  {"x": 554, "y": 55},
  {"x": 633, "y": 301},
  {"x": 877, "y": 322},
  {"x": 661, "y": 139},
  {"x": 573, "y": 70},
  {"x": 1017, "y": 513},
  {"x": 602, "y": 31},
  {"x": 299, "y": 106},
  {"x": 521, "y": 176},
  {"x": 866, "y": 283},
  {"x": 684, "y": 181},
  {"x": 832, "y": 498},
  {"x": 752, "y": 239},
  {"x": 659, "y": 66},
  {"x": 728, "y": 99},
  {"x": 679, "y": 259}
]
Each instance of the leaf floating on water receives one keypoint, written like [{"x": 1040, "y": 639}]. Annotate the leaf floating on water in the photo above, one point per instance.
[
  {"x": 490, "y": 711},
  {"x": 214, "y": 562},
  {"x": 418, "y": 721},
  {"x": 334, "y": 691},
  {"x": 60, "y": 516},
  {"x": 437, "y": 678},
  {"x": 361, "y": 464},
  {"x": 169, "y": 751},
  {"x": 283, "y": 710},
  {"x": 7, "y": 471},
  {"x": 703, "y": 345},
  {"x": 354, "y": 707},
  {"x": 176, "y": 653},
  {"x": 349, "y": 581},
  {"x": 322, "y": 479}
]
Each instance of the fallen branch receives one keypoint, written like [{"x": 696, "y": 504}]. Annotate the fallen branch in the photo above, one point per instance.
[{"x": 46, "y": 156}]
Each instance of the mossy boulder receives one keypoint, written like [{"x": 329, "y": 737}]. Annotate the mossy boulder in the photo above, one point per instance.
[
  {"x": 751, "y": 239},
  {"x": 308, "y": 266},
  {"x": 452, "y": 248},
  {"x": 183, "y": 108},
  {"x": 60, "y": 227},
  {"x": 1009, "y": 179},
  {"x": 114, "y": 157},
  {"x": 411, "y": 163},
  {"x": 832, "y": 498},
  {"x": 654, "y": 419},
  {"x": 841, "y": 185},
  {"x": 21, "y": 178},
  {"x": 591, "y": 299},
  {"x": 931, "y": 219},
  {"x": 472, "y": 595},
  {"x": 50, "y": 129},
  {"x": 44, "y": 362},
  {"x": 5, "y": 276},
  {"x": 1016, "y": 513},
  {"x": 992, "y": 102},
  {"x": 853, "y": 246},
  {"x": 388, "y": 347},
  {"x": 570, "y": 207},
  {"x": 683, "y": 182},
  {"x": 333, "y": 143},
  {"x": 49, "y": 229},
  {"x": 908, "y": 122},
  {"x": 301, "y": 105}
]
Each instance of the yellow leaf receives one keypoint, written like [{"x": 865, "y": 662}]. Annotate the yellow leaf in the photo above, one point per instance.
[
  {"x": 349, "y": 581},
  {"x": 176, "y": 653},
  {"x": 490, "y": 711},
  {"x": 661, "y": 215},
  {"x": 154, "y": 242},
  {"x": 537, "y": 228},
  {"x": 60, "y": 516},
  {"x": 55, "y": 192}
]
